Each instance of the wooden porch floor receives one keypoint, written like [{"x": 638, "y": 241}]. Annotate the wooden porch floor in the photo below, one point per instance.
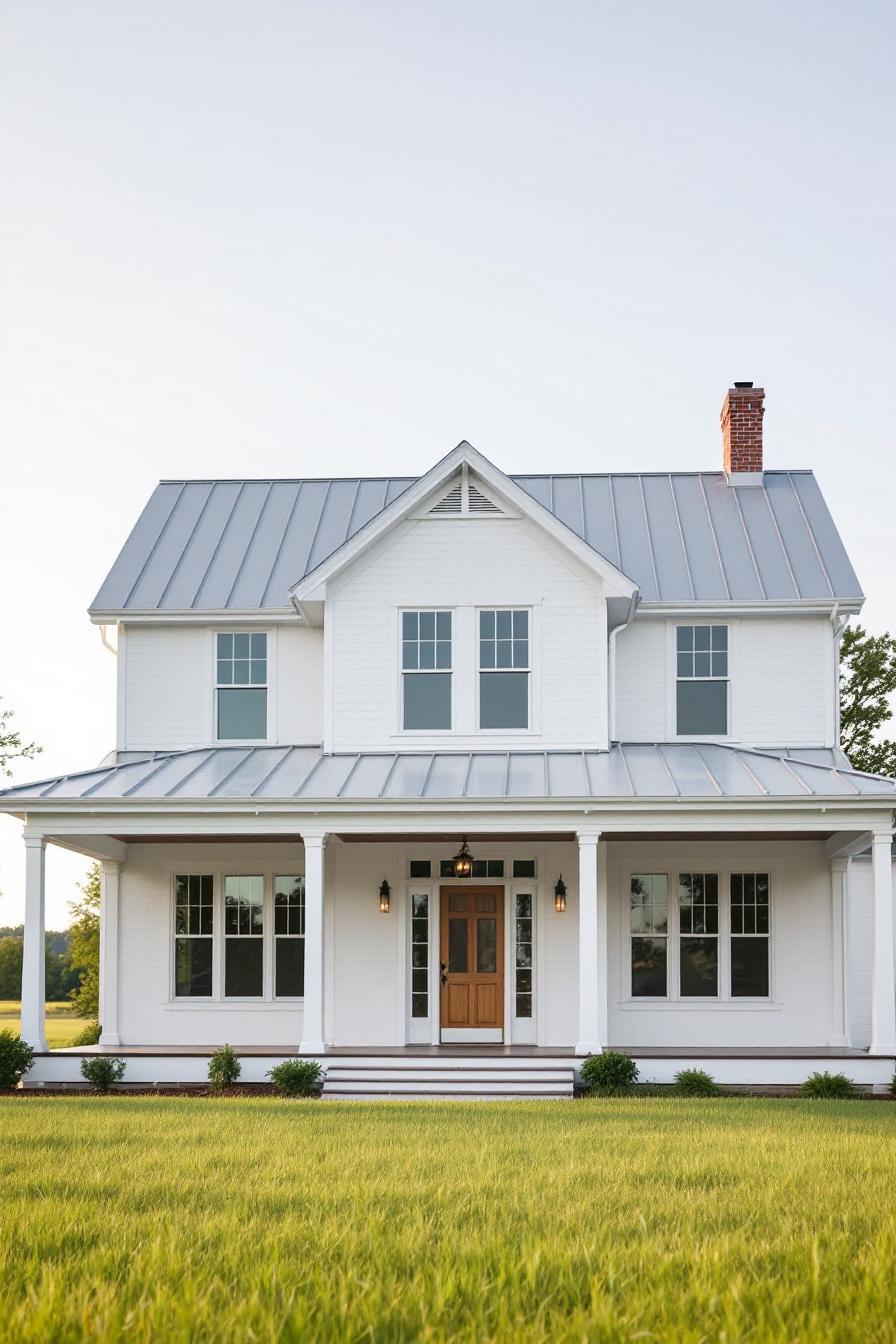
[{"x": 466, "y": 1051}]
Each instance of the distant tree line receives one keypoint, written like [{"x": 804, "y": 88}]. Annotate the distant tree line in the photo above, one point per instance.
[{"x": 62, "y": 976}]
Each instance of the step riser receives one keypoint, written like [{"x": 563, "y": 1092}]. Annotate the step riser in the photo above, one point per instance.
[
  {"x": 415, "y": 1076},
  {"x": 447, "y": 1096}
]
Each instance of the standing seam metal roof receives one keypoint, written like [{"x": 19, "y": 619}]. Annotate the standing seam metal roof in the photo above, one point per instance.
[{"x": 682, "y": 537}]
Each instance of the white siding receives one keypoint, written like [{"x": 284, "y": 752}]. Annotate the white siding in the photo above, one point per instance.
[
  {"x": 168, "y": 685},
  {"x": 782, "y": 680},
  {"x": 463, "y": 565}
]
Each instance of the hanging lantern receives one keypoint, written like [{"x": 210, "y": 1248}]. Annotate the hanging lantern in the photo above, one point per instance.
[{"x": 462, "y": 862}]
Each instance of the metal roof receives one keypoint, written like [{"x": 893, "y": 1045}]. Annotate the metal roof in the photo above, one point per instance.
[
  {"x": 641, "y": 770},
  {"x": 682, "y": 537}
]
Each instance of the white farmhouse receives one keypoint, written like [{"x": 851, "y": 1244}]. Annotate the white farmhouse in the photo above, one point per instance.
[{"x": 452, "y": 781}]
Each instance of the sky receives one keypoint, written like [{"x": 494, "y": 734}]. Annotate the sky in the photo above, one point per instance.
[{"x": 288, "y": 238}]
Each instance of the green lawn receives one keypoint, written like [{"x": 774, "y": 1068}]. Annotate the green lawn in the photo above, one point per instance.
[
  {"x": 62, "y": 1027},
  {"x": 144, "y": 1219}
]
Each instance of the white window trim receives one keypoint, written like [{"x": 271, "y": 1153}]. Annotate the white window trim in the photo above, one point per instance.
[
  {"x": 530, "y": 730},
  {"x": 421, "y": 733},
  {"x": 672, "y": 733},
  {"x": 270, "y": 687}
]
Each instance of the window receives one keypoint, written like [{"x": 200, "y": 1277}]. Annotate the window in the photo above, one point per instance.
[
  {"x": 243, "y": 937},
  {"x": 524, "y": 867},
  {"x": 419, "y": 954},
  {"x": 504, "y": 669},
  {"x": 698, "y": 928},
  {"x": 193, "y": 923},
  {"x": 701, "y": 687},
  {"x": 419, "y": 868},
  {"x": 426, "y": 669},
  {"x": 481, "y": 868},
  {"x": 749, "y": 935},
  {"x": 242, "y": 687},
  {"x": 523, "y": 954},
  {"x": 649, "y": 916},
  {"x": 289, "y": 937}
]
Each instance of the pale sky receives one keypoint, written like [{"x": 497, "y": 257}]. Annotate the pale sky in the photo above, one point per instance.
[{"x": 307, "y": 239}]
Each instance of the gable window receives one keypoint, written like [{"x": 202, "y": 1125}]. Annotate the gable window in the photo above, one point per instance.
[
  {"x": 193, "y": 925},
  {"x": 289, "y": 937},
  {"x": 242, "y": 687},
  {"x": 749, "y": 935},
  {"x": 698, "y": 928},
  {"x": 649, "y": 916},
  {"x": 701, "y": 687},
  {"x": 504, "y": 669},
  {"x": 243, "y": 937},
  {"x": 426, "y": 670}
]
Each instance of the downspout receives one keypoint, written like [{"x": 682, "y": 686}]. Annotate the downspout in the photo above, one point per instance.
[
  {"x": 839, "y": 626},
  {"x": 611, "y": 669},
  {"x": 104, "y": 640}
]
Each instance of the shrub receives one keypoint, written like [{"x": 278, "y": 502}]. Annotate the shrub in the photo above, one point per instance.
[
  {"x": 893, "y": 1086},
  {"x": 223, "y": 1069},
  {"x": 88, "y": 1035},
  {"x": 16, "y": 1058},
  {"x": 296, "y": 1077},
  {"x": 695, "y": 1083},
  {"x": 835, "y": 1086},
  {"x": 101, "y": 1071},
  {"x": 610, "y": 1073}
]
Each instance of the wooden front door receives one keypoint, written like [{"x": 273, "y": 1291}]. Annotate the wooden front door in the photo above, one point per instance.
[{"x": 471, "y": 962}]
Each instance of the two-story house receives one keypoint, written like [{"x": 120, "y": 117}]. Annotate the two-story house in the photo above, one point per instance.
[{"x": 455, "y": 780}]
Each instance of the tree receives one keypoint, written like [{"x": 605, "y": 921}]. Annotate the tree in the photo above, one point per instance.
[
  {"x": 867, "y": 680},
  {"x": 11, "y": 967},
  {"x": 11, "y": 745},
  {"x": 84, "y": 946}
]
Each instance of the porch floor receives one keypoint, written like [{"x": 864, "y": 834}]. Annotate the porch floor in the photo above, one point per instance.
[{"x": 468, "y": 1051}]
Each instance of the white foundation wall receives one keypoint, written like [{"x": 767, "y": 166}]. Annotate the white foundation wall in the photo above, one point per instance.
[
  {"x": 800, "y": 1009},
  {"x": 462, "y": 565},
  {"x": 781, "y": 675}
]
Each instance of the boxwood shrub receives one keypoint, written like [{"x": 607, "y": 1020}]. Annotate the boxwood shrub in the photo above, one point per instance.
[
  {"x": 16, "y": 1058},
  {"x": 828, "y": 1086},
  {"x": 296, "y": 1077},
  {"x": 223, "y": 1069},
  {"x": 609, "y": 1074},
  {"x": 103, "y": 1071},
  {"x": 696, "y": 1083}
]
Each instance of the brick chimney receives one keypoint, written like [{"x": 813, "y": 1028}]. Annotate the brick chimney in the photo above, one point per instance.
[{"x": 742, "y": 412}]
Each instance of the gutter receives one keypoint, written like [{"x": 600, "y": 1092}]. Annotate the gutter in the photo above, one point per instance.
[{"x": 611, "y": 670}]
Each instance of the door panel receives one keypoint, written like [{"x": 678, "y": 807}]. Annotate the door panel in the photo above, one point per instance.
[{"x": 472, "y": 959}]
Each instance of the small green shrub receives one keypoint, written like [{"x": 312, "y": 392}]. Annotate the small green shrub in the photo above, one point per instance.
[
  {"x": 223, "y": 1069},
  {"x": 893, "y": 1086},
  {"x": 102, "y": 1071},
  {"x": 696, "y": 1083},
  {"x": 832, "y": 1086},
  {"x": 16, "y": 1058},
  {"x": 609, "y": 1074},
  {"x": 296, "y": 1077},
  {"x": 88, "y": 1035}
]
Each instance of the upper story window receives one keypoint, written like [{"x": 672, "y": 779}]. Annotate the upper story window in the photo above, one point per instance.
[
  {"x": 242, "y": 687},
  {"x": 504, "y": 669},
  {"x": 426, "y": 670},
  {"x": 701, "y": 687}
]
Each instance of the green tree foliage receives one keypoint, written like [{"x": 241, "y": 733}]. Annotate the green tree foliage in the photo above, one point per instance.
[
  {"x": 61, "y": 978},
  {"x": 867, "y": 680},
  {"x": 84, "y": 947},
  {"x": 11, "y": 745}
]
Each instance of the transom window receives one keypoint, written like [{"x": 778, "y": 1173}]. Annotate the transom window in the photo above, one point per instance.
[
  {"x": 698, "y": 927},
  {"x": 481, "y": 868},
  {"x": 426, "y": 669},
  {"x": 749, "y": 935},
  {"x": 504, "y": 669},
  {"x": 649, "y": 921},
  {"x": 193, "y": 940},
  {"x": 243, "y": 937},
  {"x": 289, "y": 937},
  {"x": 242, "y": 686},
  {"x": 701, "y": 653}
]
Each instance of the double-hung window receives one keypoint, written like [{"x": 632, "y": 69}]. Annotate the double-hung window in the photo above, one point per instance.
[
  {"x": 193, "y": 935},
  {"x": 242, "y": 686},
  {"x": 426, "y": 670},
  {"x": 289, "y": 937},
  {"x": 749, "y": 935},
  {"x": 243, "y": 937},
  {"x": 698, "y": 929},
  {"x": 701, "y": 686},
  {"x": 649, "y": 922},
  {"x": 504, "y": 669}
]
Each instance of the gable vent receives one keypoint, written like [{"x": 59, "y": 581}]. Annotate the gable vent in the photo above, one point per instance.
[
  {"x": 452, "y": 502},
  {"x": 478, "y": 502},
  {"x": 463, "y": 500}
]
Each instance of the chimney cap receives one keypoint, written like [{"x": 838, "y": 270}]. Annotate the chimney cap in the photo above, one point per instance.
[{"x": 743, "y": 384}]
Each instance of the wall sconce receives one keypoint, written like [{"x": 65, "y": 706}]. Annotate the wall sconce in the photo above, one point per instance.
[
  {"x": 385, "y": 891},
  {"x": 560, "y": 896},
  {"x": 463, "y": 861}
]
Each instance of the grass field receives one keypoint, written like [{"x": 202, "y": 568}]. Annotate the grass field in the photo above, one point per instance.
[
  {"x": 143, "y": 1219},
  {"x": 61, "y": 1026}
]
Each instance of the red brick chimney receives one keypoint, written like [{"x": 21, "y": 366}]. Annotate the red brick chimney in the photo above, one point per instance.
[{"x": 742, "y": 412}]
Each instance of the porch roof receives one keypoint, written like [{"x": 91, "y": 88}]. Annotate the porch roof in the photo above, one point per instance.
[{"x": 297, "y": 773}]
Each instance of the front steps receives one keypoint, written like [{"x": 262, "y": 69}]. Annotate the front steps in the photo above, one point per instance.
[{"x": 470, "y": 1078}]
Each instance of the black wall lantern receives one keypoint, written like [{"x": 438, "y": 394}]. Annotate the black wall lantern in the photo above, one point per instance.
[
  {"x": 385, "y": 892},
  {"x": 560, "y": 896},
  {"x": 463, "y": 861}
]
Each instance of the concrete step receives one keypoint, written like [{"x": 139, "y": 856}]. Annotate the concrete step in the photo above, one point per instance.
[
  {"x": 421, "y": 1078},
  {"x": 447, "y": 1096},
  {"x": 509, "y": 1076}
]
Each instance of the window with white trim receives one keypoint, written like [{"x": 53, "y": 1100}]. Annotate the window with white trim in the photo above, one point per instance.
[
  {"x": 649, "y": 928},
  {"x": 419, "y": 954},
  {"x": 750, "y": 935},
  {"x": 193, "y": 935},
  {"x": 425, "y": 670},
  {"x": 289, "y": 937},
  {"x": 698, "y": 934},
  {"x": 523, "y": 945},
  {"x": 504, "y": 669},
  {"x": 243, "y": 937},
  {"x": 701, "y": 685},
  {"x": 241, "y": 686}
]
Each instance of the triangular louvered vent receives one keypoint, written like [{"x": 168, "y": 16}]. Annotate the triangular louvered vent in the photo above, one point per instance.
[
  {"x": 463, "y": 500},
  {"x": 452, "y": 502},
  {"x": 478, "y": 502}
]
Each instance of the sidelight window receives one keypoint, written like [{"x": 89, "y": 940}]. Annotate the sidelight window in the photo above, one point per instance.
[
  {"x": 419, "y": 954},
  {"x": 523, "y": 944}
]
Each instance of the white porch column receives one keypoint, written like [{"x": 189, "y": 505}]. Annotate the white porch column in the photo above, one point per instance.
[
  {"x": 592, "y": 946},
  {"x": 312, "y": 1042},
  {"x": 883, "y": 976},
  {"x": 109, "y": 881},
  {"x": 33, "y": 1027},
  {"x": 838, "y": 953}
]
